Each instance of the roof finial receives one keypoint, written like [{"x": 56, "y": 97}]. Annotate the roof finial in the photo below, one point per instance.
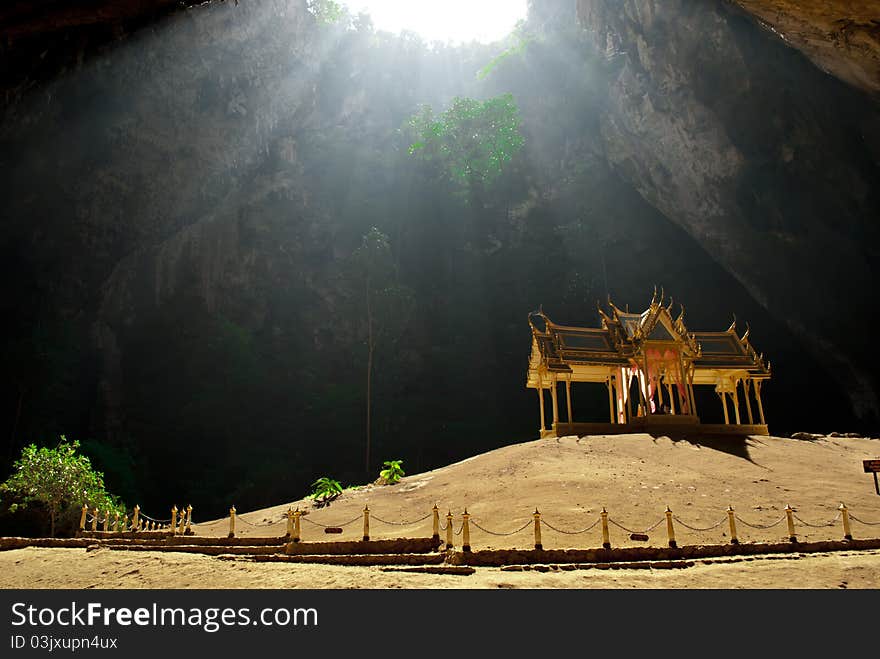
[
  {"x": 745, "y": 337},
  {"x": 669, "y": 308},
  {"x": 662, "y": 294},
  {"x": 732, "y": 325},
  {"x": 680, "y": 318},
  {"x": 654, "y": 297}
]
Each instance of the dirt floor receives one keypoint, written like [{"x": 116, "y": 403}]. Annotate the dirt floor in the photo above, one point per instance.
[{"x": 570, "y": 480}]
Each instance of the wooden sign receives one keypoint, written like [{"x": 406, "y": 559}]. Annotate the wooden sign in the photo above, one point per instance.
[
  {"x": 871, "y": 466},
  {"x": 333, "y": 529}
]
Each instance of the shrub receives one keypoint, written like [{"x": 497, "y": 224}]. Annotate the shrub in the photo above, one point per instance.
[
  {"x": 60, "y": 481},
  {"x": 393, "y": 472}
]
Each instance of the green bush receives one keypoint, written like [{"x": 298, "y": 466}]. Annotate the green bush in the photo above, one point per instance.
[
  {"x": 60, "y": 481},
  {"x": 393, "y": 472},
  {"x": 325, "y": 489}
]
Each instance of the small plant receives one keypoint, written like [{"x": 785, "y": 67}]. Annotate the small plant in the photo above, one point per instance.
[
  {"x": 325, "y": 489},
  {"x": 392, "y": 472}
]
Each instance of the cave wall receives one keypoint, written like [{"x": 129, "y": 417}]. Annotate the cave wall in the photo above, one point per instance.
[{"x": 768, "y": 162}]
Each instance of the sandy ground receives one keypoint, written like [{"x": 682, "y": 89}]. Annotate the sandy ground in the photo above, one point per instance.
[{"x": 569, "y": 480}]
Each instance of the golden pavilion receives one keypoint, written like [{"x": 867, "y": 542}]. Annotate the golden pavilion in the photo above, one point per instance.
[{"x": 650, "y": 365}]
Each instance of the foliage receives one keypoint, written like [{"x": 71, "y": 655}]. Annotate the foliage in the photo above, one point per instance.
[
  {"x": 326, "y": 12},
  {"x": 393, "y": 471},
  {"x": 520, "y": 43},
  {"x": 472, "y": 140},
  {"x": 60, "y": 480},
  {"x": 325, "y": 489}
]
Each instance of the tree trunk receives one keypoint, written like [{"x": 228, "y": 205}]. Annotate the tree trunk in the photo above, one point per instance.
[{"x": 369, "y": 375}]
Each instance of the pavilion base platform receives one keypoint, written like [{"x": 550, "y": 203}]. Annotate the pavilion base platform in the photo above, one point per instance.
[{"x": 659, "y": 424}]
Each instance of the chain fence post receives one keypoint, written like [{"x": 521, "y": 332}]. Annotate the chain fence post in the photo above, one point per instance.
[
  {"x": 116, "y": 521},
  {"x": 448, "y": 529},
  {"x": 606, "y": 539},
  {"x": 844, "y": 512},
  {"x": 538, "y": 545},
  {"x": 189, "y": 511},
  {"x": 82, "y": 518},
  {"x": 231, "y": 522},
  {"x": 173, "y": 519},
  {"x": 733, "y": 539},
  {"x": 95, "y": 519},
  {"x": 465, "y": 531},
  {"x": 289, "y": 515},
  {"x": 435, "y": 536},
  {"x": 670, "y": 530},
  {"x": 296, "y": 528},
  {"x": 366, "y": 523},
  {"x": 135, "y": 521},
  {"x": 181, "y": 521},
  {"x": 789, "y": 514}
]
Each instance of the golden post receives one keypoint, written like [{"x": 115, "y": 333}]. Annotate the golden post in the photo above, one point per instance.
[
  {"x": 789, "y": 511},
  {"x": 189, "y": 510},
  {"x": 733, "y": 539},
  {"x": 94, "y": 519},
  {"x": 231, "y": 522},
  {"x": 366, "y": 523},
  {"x": 606, "y": 540},
  {"x": 465, "y": 531},
  {"x": 116, "y": 522},
  {"x": 670, "y": 530},
  {"x": 105, "y": 521},
  {"x": 289, "y": 522},
  {"x": 436, "y": 532},
  {"x": 847, "y": 533},
  {"x": 448, "y": 529},
  {"x": 82, "y": 518},
  {"x": 135, "y": 522},
  {"x": 537, "y": 517},
  {"x": 296, "y": 530},
  {"x": 173, "y": 518}
]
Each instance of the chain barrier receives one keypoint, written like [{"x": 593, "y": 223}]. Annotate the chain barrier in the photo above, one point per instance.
[
  {"x": 550, "y": 526},
  {"x": 460, "y": 529},
  {"x": 698, "y": 529},
  {"x": 238, "y": 518},
  {"x": 817, "y": 526},
  {"x": 500, "y": 534},
  {"x": 379, "y": 519},
  {"x": 650, "y": 528},
  {"x": 158, "y": 521},
  {"x": 760, "y": 526},
  {"x": 861, "y": 521},
  {"x": 329, "y": 526}
]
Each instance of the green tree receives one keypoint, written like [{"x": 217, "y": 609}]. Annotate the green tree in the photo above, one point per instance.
[
  {"x": 60, "y": 480},
  {"x": 472, "y": 140},
  {"x": 386, "y": 307}
]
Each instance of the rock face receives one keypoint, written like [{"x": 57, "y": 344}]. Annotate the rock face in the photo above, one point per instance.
[
  {"x": 841, "y": 37},
  {"x": 183, "y": 205},
  {"x": 767, "y": 162}
]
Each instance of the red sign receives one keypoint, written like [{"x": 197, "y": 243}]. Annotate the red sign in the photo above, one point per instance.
[{"x": 871, "y": 466}]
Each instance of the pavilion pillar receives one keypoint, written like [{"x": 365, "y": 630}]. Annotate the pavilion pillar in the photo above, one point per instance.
[
  {"x": 690, "y": 387},
  {"x": 568, "y": 397},
  {"x": 758, "y": 398},
  {"x": 723, "y": 397},
  {"x": 735, "y": 398},
  {"x": 746, "y": 386},
  {"x": 540, "y": 391},
  {"x": 643, "y": 389},
  {"x": 553, "y": 398},
  {"x": 610, "y": 386},
  {"x": 671, "y": 399},
  {"x": 629, "y": 405}
]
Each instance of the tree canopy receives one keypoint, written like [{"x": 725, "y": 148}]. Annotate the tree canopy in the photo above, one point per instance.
[
  {"x": 60, "y": 480},
  {"x": 472, "y": 140}
]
